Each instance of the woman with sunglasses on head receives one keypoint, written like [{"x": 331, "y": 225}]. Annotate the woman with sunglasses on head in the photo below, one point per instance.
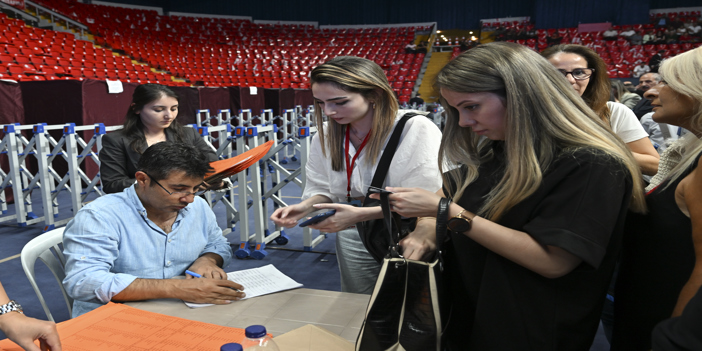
[
  {"x": 587, "y": 74},
  {"x": 661, "y": 267},
  {"x": 539, "y": 190},
  {"x": 362, "y": 112},
  {"x": 151, "y": 119}
]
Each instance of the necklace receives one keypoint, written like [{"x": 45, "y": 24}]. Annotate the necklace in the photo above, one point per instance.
[{"x": 359, "y": 138}]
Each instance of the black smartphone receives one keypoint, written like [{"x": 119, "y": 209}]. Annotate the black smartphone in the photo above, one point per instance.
[
  {"x": 318, "y": 217},
  {"x": 374, "y": 190}
]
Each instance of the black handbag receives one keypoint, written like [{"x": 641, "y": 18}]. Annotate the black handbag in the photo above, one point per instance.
[
  {"x": 408, "y": 309},
  {"x": 373, "y": 233}
]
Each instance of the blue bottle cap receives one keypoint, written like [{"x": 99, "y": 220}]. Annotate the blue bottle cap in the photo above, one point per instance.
[
  {"x": 231, "y": 347},
  {"x": 255, "y": 331}
]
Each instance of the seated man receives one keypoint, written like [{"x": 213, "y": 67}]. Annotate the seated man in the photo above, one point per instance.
[
  {"x": 641, "y": 69},
  {"x": 127, "y": 246},
  {"x": 627, "y": 34},
  {"x": 610, "y": 34}
]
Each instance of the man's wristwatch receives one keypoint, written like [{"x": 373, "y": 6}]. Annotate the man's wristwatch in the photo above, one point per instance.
[
  {"x": 11, "y": 306},
  {"x": 461, "y": 222}
]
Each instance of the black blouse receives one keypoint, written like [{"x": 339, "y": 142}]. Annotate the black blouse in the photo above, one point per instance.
[
  {"x": 118, "y": 161},
  {"x": 580, "y": 207},
  {"x": 657, "y": 260}
]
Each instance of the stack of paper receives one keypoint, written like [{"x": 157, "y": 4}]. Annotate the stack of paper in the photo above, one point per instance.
[
  {"x": 257, "y": 282},
  {"x": 231, "y": 166}
]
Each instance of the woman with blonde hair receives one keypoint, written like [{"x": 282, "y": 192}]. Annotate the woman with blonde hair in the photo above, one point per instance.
[
  {"x": 661, "y": 266},
  {"x": 587, "y": 74},
  {"x": 537, "y": 191},
  {"x": 362, "y": 111}
]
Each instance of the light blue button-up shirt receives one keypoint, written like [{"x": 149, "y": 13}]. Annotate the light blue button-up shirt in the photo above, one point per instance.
[{"x": 111, "y": 242}]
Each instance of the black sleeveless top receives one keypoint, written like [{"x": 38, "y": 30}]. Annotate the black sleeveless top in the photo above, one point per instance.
[{"x": 657, "y": 259}]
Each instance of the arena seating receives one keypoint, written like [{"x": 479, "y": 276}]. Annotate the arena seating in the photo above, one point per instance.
[
  {"x": 620, "y": 56},
  {"x": 137, "y": 45},
  {"x": 28, "y": 53},
  {"x": 229, "y": 52}
]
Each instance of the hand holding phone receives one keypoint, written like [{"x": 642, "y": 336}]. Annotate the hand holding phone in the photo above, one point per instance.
[
  {"x": 317, "y": 217},
  {"x": 375, "y": 190}
]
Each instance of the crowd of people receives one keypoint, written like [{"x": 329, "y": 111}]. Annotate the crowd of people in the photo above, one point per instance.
[
  {"x": 571, "y": 199},
  {"x": 688, "y": 32},
  {"x": 683, "y": 30}
]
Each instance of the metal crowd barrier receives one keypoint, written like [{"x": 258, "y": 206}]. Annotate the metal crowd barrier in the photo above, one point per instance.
[
  {"x": 42, "y": 150},
  {"x": 257, "y": 190},
  {"x": 259, "y": 187}
]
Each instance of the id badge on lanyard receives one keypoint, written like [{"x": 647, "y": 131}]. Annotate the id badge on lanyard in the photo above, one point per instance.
[{"x": 349, "y": 167}]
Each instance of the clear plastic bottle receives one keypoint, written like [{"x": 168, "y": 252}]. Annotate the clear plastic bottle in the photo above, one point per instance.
[
  {"x": 232, "y": 346},
  {"x": 257, "y": 339}
]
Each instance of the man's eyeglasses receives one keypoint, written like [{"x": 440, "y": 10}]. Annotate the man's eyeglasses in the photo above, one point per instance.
[
  {"x": 179, "y": 193},
  {"x": 578, "y": 73}
]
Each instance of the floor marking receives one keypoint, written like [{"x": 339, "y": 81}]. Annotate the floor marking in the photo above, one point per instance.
[{"x": 9, "y": 258}]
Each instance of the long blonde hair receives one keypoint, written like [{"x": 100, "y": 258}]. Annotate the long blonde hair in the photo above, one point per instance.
[
  {"x": 683, "y": 74},
  {"x": 365, "y": 77},
  {"x": 543, "y": 117}
]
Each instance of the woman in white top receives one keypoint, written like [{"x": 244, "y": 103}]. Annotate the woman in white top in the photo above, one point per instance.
[
  {"x": 587, "y": 73},
  {"x": 362, "y": 111}
]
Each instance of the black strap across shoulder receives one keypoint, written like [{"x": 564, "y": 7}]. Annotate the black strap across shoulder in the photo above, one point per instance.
[{"x": 382, "y": 171}]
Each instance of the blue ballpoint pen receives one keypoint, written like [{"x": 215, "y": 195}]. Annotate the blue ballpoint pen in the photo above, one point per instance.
[{"x": 193, "y": 274}]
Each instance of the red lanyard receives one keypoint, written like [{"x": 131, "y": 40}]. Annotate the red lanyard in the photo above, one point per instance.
[{"x": 352, "y": 163}]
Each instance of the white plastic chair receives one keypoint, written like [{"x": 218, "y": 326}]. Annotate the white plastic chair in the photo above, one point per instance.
[{"x": 40, "y": 248}]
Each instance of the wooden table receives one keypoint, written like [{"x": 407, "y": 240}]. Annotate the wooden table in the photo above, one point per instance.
[{"x": 341, "y": 313}]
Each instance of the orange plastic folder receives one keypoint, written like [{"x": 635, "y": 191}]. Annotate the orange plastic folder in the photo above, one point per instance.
[
  {"x": 119, "y": 327},
  {"x": 231, "y": 166}
]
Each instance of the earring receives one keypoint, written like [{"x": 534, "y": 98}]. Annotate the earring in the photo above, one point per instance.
[{"x": 373, "y": 105}]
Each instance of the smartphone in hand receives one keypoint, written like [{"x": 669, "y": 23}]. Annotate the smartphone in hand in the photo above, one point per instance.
[
  {"x": 317, "y": 217},
  {"x": 374, "y": 190}
]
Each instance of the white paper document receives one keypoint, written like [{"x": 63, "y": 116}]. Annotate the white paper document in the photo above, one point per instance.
[{"x": 257, "y": 282}]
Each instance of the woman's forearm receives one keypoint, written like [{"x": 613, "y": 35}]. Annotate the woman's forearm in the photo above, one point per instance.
[
  {"x": 519, "y": 247},
  {"x": 647, "y": 163}
]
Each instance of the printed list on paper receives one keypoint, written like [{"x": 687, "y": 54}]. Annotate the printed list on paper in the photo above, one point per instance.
[{"x": 257, "y": 282}]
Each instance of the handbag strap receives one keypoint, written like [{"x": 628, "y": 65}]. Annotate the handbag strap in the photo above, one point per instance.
[
  {"x": 384, "y": 165},
  {"x": 441, "y": 225},
  {"x": 393, "y": 250}
]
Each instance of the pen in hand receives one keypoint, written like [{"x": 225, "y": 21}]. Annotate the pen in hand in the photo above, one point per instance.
[{"x": 195, "y": 275}]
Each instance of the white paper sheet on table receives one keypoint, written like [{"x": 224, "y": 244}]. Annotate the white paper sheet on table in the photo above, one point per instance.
[{"x": 257, "y": 282}]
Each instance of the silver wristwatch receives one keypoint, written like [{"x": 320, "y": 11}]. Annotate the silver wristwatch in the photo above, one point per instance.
[{"x": 11, "y": 306}]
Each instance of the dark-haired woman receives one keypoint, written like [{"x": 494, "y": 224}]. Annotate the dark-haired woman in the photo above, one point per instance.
[
  {"x": 587, "y": 74},
  {"x": 150, "y": 120}
]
